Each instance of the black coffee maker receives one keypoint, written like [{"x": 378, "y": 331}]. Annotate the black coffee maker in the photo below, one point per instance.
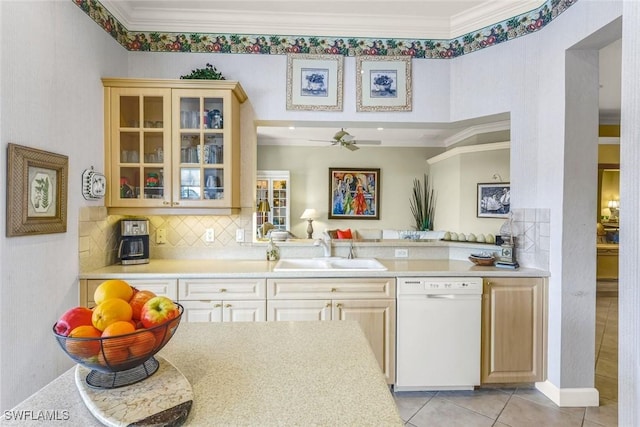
[{"x": 134, "y": 241}]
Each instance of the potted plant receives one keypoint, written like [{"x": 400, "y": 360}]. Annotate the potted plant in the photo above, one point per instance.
[{"x": 422, "y": 204}]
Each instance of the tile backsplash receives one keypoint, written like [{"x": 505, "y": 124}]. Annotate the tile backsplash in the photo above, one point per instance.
[{"x": 98, "y": 244}]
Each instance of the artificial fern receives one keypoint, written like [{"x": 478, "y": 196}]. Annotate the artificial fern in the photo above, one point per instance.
[
  {"x": 208, "y": 73},
  {"x": 422, "y": 204}
]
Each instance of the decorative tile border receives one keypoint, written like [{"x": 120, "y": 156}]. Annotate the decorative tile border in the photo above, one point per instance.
[{"x": 523, "y": 24}]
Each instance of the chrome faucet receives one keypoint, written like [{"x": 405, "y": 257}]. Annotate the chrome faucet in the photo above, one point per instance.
[
  {"x": 351, "y": 255},
  {"x": 326, "y": 246}
]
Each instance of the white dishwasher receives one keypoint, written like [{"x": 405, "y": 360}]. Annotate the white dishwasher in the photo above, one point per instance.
[{"x": 438, "y": 333}]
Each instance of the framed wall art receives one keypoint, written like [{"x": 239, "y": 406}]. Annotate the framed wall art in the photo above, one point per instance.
[
  {"x": 494, "y": 200},
  {"x": 36, "y": 191},
  {"x": 383, "y": 83},
  {"x": 314, "y": 82},
  {"x": 354, "y": 193}
]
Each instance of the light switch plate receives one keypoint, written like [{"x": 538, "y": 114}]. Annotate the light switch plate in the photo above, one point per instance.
[
  {"x": 402, "y": 253},
  {"x": 240, "y": 235},
  {"x": 209, "y": 235}
]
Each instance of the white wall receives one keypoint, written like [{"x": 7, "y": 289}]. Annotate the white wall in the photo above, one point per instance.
[
  {"x": 527, "y": 78},
  {"x": 310, "y": 181},
  {"x": 52, "y": 59},
  {"x": 456, "y": 175}
]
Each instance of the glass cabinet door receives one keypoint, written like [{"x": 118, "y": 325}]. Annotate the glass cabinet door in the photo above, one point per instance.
[
  {"x": 273, "y": 187},
  {"x": 200, "y": 161},
  {"x": 141, "y": 138}
]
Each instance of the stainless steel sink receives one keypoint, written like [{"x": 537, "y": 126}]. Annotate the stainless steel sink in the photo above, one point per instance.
[{"x": 329, "y": 264}]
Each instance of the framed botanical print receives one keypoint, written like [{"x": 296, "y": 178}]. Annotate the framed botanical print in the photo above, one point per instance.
[
  {"x": 383, "y": 83},
  {"x": 36, "y": 191},
  {"x": 354, "y": 193},
  {"x": 314, "y": 82}
]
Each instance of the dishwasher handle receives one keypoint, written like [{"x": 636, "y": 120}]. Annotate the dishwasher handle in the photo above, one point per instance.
[{"x": 441, "y": 296}]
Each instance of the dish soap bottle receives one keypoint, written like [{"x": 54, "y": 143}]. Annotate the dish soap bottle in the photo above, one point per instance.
[{"x": 273, "y": 251}]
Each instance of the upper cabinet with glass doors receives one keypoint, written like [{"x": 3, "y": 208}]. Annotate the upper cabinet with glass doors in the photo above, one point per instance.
[{"x": 173, "y": 143}]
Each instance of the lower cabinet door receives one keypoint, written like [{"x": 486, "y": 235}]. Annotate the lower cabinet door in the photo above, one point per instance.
[
  {"x": 377, "y": 320},
  {"x": 513, "y": 330},
  {"x": 202, "y": 311},
  {"x": 244, "y": 311},
  {"x": 224, "y": 311},
  {"x": 284, "y": 310}
]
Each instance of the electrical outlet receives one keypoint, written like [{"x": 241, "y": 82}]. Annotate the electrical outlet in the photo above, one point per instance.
[
  {"x": 161, "y": 236},
  {"x": 402, "y": 253},
  {"x": 209, "y": 235},
  {"x": 240, "y": 235}
]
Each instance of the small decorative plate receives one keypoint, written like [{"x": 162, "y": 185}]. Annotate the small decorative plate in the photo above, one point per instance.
[{"x": 94, "y": 184}]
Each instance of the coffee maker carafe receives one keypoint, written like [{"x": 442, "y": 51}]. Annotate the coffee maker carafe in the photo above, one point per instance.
[{"x": 134, "y": 241}]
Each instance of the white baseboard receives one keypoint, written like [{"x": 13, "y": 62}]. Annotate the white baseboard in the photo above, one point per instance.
[{"x": 568, "y": 397}]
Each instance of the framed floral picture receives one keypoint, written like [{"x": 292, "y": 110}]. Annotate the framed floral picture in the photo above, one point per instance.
[
  {"x": 354, "y": 193},
  {"x": 383, "y": 83},
  {"x": 36, "y": 191},
  {"x": 314, "y": 82},
  {"x": 494, "y": 200}
]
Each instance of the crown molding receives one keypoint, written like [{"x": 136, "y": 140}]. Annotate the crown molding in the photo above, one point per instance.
[
  {"x": 469, "y": 149},
  {"x": 245, "y": 21},
  {"x": 477, "y": 130}
]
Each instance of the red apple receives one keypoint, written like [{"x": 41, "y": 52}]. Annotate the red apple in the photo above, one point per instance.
[
  {"x": 158, "y": 310},
  {"x": 137, "y": 301},
  {"x": 72, "y": 318}
]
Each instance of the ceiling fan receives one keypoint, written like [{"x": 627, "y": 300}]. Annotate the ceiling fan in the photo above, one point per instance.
[{"x": 348, "y": 141}]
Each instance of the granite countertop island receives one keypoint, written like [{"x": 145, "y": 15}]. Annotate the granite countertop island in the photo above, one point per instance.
[{"x": 257, "y": 374}]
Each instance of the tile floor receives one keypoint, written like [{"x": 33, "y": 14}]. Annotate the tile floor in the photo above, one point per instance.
[{"x": 526, "y": 406}]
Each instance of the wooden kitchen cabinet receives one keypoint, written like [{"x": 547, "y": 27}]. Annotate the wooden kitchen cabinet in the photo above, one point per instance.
[
  {"x": 369, "y": 301},
  {"x": 223, "y": 300},
  {"x": 514, "y": 323},
  {"x": 172, "y": 144},
  {"x": 164, "y": 287}
]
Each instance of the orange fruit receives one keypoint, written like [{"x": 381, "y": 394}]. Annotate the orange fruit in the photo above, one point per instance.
[
  {"x": 109, "y": 311},
  {"x": 113, "y": 356},
  {"x": 121, "y": 327},
  {"x": 83, "y": 348},
  {"x": 143, "y": 344},
  {"x": 113, "y": 288}
]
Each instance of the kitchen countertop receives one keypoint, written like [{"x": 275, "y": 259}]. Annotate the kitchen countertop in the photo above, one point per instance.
[
  {"x": 190, "y": 268},
  {"x": 264, "y": 373}
]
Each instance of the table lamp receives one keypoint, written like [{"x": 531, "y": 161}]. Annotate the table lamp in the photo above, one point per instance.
[
  {"x": 264, "y": 209},
  {"x": 614, "y": 207},
  {"x": 309, "y": 215}
]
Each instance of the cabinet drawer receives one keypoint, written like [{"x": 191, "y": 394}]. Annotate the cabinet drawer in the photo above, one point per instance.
[
  {"x": 363, "y": 288},
  {"x": 217, "y": 289},
  {"x": 164, "y": 287}
]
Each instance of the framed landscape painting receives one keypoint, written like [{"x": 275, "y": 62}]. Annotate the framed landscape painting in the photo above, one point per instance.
[
  {"x": 494, "y": 200},
  {"x": 354, "y": 193},
  {"x": 36, "y": 191},
  {"x": 314, "y": 82},
  {"x": 383, "y": 83}
]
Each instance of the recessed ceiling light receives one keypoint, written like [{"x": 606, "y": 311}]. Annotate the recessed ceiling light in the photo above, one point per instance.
[
  {"x": 292, "y": 127},
  {"x": 380, "y": 128}
]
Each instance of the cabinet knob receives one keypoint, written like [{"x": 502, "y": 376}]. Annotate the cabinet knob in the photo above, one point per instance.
[
  {"x": 338, "y": 305},
  {"x": 328, "y": 305},
  {"x": 165, "y": 203},
  {"x": 217, "y": 305},
  {"x": 333, "y": 289},
  {"x": 228, "y": 306},
  {"x": 223, "y": 290},
  {"x": 176, "y": 203}
]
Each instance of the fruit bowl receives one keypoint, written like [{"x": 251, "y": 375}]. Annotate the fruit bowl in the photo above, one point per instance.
[{"x": 124, "y": 354}]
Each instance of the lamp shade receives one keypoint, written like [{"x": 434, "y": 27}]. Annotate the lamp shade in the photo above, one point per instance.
[
  {"x": 263, "y": 206},
  {"x": 309, "y": 214},
  {"x": 613, "y": 204}
]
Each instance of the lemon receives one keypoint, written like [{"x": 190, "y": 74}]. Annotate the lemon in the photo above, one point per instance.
[{"x": 112, "y": 289}]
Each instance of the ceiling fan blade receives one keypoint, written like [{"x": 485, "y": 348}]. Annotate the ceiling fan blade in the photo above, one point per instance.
[
  {"x": 341, "y": 134},
  {"x": 350, "y": 146}
]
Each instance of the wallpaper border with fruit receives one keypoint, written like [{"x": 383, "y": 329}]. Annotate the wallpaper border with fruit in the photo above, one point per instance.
[{"x": 509, "y": 29}]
